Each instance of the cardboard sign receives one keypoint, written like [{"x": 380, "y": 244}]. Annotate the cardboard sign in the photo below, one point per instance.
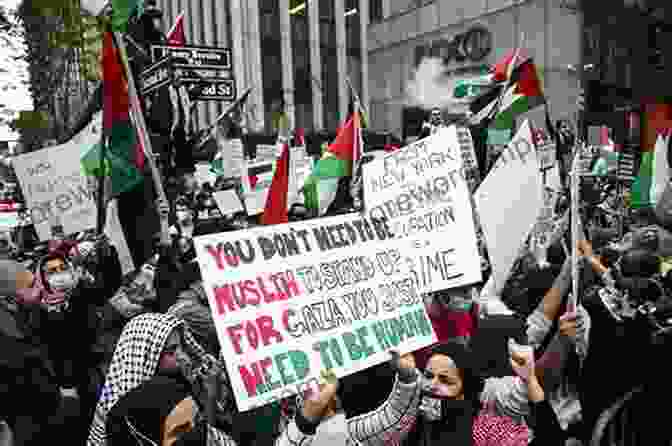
[
  {"x": 421, "y": 191},
  {"x": 54, "y": 187},
  {"x": 508, "y": 203},
  {"x": 292, "y": 300},
  {"x": 228, "y": 202}
]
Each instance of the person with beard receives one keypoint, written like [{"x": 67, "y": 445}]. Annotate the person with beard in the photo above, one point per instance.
[{"x": 447, "y": 404}]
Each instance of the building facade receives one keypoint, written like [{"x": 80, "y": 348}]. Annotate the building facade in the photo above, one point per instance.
[
  {"x": 629, "y": 55},
  {"x": 301, "y": 57},
  {"x": 469, "y": 36}
]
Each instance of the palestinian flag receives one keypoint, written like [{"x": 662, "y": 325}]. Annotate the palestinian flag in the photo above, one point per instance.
[
  {"x": 176, "y": 35},
  {"x": 511, "y": 94},
  {"x": 123, "y": 10},
  {"x": 336, "y": 162},
  {"x": 124, "y": 159},
  {"x": 653, "y": 177}
]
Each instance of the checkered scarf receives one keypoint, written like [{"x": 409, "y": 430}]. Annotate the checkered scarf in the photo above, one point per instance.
[{"x": 135, "y": 360}]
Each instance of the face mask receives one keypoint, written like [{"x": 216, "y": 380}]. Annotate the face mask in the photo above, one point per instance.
[{"x": 64, "y": 281}]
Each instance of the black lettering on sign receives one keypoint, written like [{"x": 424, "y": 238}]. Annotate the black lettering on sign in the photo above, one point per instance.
[
  {"x": 441, "y": 264},
  {"x": 397, "y": 294},
  {"x": 362, "y": 303}
]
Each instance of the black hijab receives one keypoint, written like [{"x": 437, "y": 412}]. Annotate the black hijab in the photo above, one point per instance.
[{"x": 455, "y": 426}]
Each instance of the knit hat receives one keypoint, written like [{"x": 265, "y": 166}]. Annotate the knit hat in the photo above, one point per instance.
[{"x": 8, "y": 272}]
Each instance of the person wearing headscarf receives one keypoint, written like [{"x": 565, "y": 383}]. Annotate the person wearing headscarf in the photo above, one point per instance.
[
  {"x": 150, "y": 345},
  {"x": 449, "y": 404},
  {"x": 28, "y": 382}
]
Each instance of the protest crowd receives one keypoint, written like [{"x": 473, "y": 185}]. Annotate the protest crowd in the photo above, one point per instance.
[{"x": 442, "y": 293}]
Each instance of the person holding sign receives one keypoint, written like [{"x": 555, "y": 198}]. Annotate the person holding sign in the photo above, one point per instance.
[{"x": 448, "y": 404}]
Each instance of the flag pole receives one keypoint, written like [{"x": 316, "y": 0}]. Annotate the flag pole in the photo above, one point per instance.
[
  {"x": 145, "y": 141},
  {"x": 356, "y": 179}
]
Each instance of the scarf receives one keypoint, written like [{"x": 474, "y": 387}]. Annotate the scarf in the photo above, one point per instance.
[
  {"x": 135, "y": 361},
  {"x": 457, "y": 423}
]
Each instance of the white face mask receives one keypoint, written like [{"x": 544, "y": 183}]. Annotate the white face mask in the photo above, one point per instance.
[{"x": 64, "y": 281}]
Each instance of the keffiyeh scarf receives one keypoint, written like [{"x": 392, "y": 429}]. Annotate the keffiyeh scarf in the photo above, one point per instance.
[{"x": 135, "y": 360}]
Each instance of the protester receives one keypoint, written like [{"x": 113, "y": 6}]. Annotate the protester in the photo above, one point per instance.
[
  {"x": 449, "y": 405},
  {"x": 27, "y": 377},
  {"x": 150, "y": 344}
]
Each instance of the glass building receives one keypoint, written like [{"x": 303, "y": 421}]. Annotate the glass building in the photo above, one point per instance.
[{"x": 300, "y": 57}]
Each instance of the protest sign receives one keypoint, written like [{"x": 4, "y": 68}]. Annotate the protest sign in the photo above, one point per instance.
[
  {"x": 53, "y": 185},
  {"x": 228, "y": 202},
  {"x": 421, "y": 191},
  {"x": 8, "y": 220},
  {"x": 292, "y": 300},
  {"x": 508, "y": 203}
]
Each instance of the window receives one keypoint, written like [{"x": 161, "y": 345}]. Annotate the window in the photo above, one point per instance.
[{"x": 376, "y": 11}]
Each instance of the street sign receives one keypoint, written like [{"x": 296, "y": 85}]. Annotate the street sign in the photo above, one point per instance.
[
  {"x": 182, "y": 73},
  {"x": 211, "y": 89},
  {"x": 156, "y": 76},
  {"x": 196, "y": 57}
]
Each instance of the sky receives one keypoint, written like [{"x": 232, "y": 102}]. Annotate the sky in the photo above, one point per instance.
[{"x": 14, "y": 96}]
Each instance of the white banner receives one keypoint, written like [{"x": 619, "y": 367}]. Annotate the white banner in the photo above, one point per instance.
[
  {"x": 54, "y": 187},
  {"x": 421, "y": 191},
  {"x": 292, "y": 300},
  {"x": 508, "y": 202}
]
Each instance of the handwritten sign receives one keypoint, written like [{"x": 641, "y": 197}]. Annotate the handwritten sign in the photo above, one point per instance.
[
  {"x": 421, "y": 191},
  {"x": 508, "y": 203},
  {"x": 292, "y": 300},
  {"x": 54, "y": 187}
]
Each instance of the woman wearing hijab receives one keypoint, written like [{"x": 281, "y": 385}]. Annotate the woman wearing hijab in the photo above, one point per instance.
[
  {"x": 446, "y": 405},
  {"x": 151, "y": 346}
]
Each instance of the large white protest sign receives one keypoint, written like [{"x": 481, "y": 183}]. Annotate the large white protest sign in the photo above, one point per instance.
[
  {"x": 508, "y": 203},
  {"x": 54, "y": 187},
  {"x": 291, "y": 300},
  {"x": 421, "y": 191}
]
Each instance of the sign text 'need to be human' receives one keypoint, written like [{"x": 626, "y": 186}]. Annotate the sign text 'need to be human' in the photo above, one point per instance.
[{"x": 292, "y": 300}]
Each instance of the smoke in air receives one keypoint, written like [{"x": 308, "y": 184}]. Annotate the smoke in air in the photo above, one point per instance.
[{"x": 429, "y": 87}]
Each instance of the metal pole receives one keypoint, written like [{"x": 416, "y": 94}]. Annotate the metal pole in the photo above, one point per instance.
[{"x": 145, "y": 141}]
